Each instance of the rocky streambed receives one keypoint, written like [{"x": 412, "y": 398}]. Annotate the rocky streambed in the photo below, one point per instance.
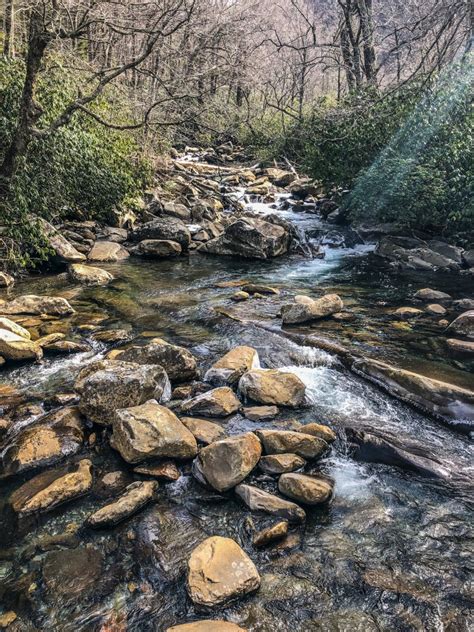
[{"x": 232, "y": 414}]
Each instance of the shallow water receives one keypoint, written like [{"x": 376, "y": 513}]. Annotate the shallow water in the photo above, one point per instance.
[{"x": 391, "y": 552}]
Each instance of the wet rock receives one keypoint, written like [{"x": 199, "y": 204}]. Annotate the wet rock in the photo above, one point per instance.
[
  {"x": 266, "y": 536},
  {"x": 32, "y": 304},
  {"x": 468, "y": 257},
  {"x": 166, "y": 471},
  {"x": 258, "y": 500},
  {"x": 319, "y": 430},
  {"x": 305, "y": 309},
  {"x": 112, "y": 483},
  {"x": 281, "y": 463},
  {"x": 116, "y": 385},
  {"x": 5, "y": 425},
  {"x": 461, "y": 346},
  {"x": 72, "y": 573},
  {"x": 9, "y": 325},
  {"x": 220, "y": 571},
  {"x": 255, "y": 288},
  {"x": 225, "y": 463},
  {"x": 134, "y": 498},
  {"x": 206, "y": 626},
  {"x": 268, "y": 386},
  {"x": 464, "y": 304},
  {"x": 261, "y": 413},
  {"x": 63, "y": 249},
  {"x": 230, "y": 368},
  {"x": 250, "y": 238},
  {"x": 66, "y": 346},
  {"x": 446, "y": 250},
  {"x": 59, "y": 435},
  {"x": 7, "y": 618},
  {"x": 108, "y": 251},
  {"x": 240, "y": 296},
  {"x": 436, "y": 310},
  {"x": 151, "y": 431},
  {"x": 178, "y": 362},
  {"x": 167, "y": 229},
  {"x": 427, "y": 294},
  {"x": 463, "y": 325},
  {"x": 204, "y": 431},
  {"x": 453, "y": 404},
  {"x": 407, "y": 313},
  {"x": 289, "y": 442},
  {"x": 16, "y": 348},
  {"x": 308, "y": 490},
  {"x": 219, "y": 402},
  {"x": 52, "y": 488},
  {"x": 6, "y": 280},
  {"x": 50, "y": 339},
  {"x": 414, "y": 254},
  {"x": 158, "y": 248},
  {"x": 89, "y": 275},
  {"x": 112, "y": 335}
]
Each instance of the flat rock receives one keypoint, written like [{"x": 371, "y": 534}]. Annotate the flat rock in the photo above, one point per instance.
[
  {"x": 219, "y": 571},
  {"x": 117, "y": 385},
  {"x": 281, "y": 463},
  {"x": 436, "y": 309},
  {"x": 259, "y": 500},
  {"x": 308, "y": 490},
  {"x": 203, "y": 430},
  {"x": 290, "y": 442},
  {"x": 225, "y": 463},
  {"x": 302, "y": 311},
  {"x": 407, "y": 313},
  {"x": 230, "y": 368},
  {"x": 89, "y": 275},
  {"x": 464, "y": 324},
  {"x": 269, "y": 535},
  {"x": 151, "y": 431},
  {"x": 461, "y": 346},
  {"x": 319, "y": 430},
  {"x": 108, "y": 252},
  {"x": 165, "y": 471},
  {"x": 134, "y": 498},
  {"x": 261, "y": 413},
  {"x": 178, "y": 362},
  {"x": 427, "y": 294},
  {"x": 52, "y": 488},
  {"x": 206, "y": 626},
  {"x": 32, "y": 304},
  {"x": 219, "y": 402},
  {"x": 158, "y": 248},
  {"x": 269, "y": 386}
]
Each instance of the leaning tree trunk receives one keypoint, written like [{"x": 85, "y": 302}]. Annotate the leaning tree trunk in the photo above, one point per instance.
[{"x": 29, "y": 110}]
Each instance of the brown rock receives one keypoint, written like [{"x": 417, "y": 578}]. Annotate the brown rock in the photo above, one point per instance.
[
  {"x": 407, "y": 313},
  {"x": 6, "y": 280},
  {"x": 32, "y": 304},
  {"x": 107, "y": 251},
  {"x": 88, "y": 275},
  {"x": 230, "y": 368},
  {"x": 261, "y": 413},
  {"x": 206, "y": 626},
  {"x": 258, "y": 500},
  {"x": 9, "y": 325},
  {"x": 268, "y": 386},
  {"x": 266, "y": 536},
  {"x": 305, "y": 309},
  {"x": 427, "y": 294},
  {"x": 72, "y": 572},
  {"x": 203, "y": 430},
  {"x": 288, "y": 441},
  {"x": 14, "y": 347},
  {"x": 158, "y": 248},
  {"x": 461, "y": 346},
  {"x": 436, "y": 309},
  {"x": 219, "y": 402},
  {"x": 308, "y": 490},
  {"x": 318, "y": 430},
  {"x": 134, "y": 498},
  {"x": 166, "y": 471},
  {"x": 178, "y": 362},
  {"x": 281, "y": 463}
]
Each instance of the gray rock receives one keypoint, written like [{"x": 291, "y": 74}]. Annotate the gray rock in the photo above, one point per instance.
[{"x": 258, "y": 500}]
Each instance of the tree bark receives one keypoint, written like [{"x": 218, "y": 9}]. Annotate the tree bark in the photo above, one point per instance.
[
  {"x": 9, "y": 29},
  {"x": 367, "y": 27}
]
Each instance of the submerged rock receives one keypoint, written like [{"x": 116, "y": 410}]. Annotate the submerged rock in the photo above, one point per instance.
[
  {"x": 309, "y": 490},
  {"x": 220, "y": 571},
  {"x": 115, "y": 385},
  {"x": 32, "y": 304},
  {"x": 134, "y": 498},
  {"x": 464, "y": 324},
  {"x": 52, "y": 488},
  {"x": 305, "y": 309},
  {"x": 269, "y": 386},
  {"x": 89, "y": 275},
  {"x": 151, "y": 431},
  {"x": 288, "y": 441},
  {"x": 71, "y": 573},
  {"x": 220, "y": 402},
  {"x": 258, "y": 500},
  {"x": 230, "y": 368},
  {"x": 178, "y": 362},
  {"x": 108, "y": 251},
  {"x": 225, "y": 463},
  {"x": 281, "y": 463}
]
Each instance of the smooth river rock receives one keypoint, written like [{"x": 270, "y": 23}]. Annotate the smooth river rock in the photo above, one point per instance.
[
  {"x": 230, "y": 368},
  {"x": 308, "y": 490},
  {"x": 178, "y": 362},
  {"x": 134, "y": 498},
  {"x": 319, "y": 430},
  {"x": 270, "y": 386},
  {"x": 206, "y": 626},
  {"x": 10, "y": 325},
  {"x": 220, "y": 402},
  {"x": 108, "y": 251},
  {"x": 219, "y": 571},
  {"x": 266, "y": 536},
  {"x": 281, "y": 463},
  {"x": 203, "y": 430},
  {"x": 164, "y": 229},
  {"x": 305, "y": 309},
  {"x": 259, "y": 500},
  {"x": 89, "y": 275},
  {"x": 15, "y": 348},
  {"x": 225, "y": 463},
  {"x": 428, "y": 295},
  {"x": 464, "y": 324},
  {"x": 288, "y": 441},
  {"x": 32, "y": 304},
  {"x": 158, "y": 248},
  {"x": 151, "y": 431}
]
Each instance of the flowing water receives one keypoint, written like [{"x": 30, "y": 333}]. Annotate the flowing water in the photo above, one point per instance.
[{"x": 391, "y": 552}]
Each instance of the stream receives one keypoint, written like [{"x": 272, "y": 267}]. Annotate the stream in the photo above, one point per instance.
[{"x": 391, "y": 552}]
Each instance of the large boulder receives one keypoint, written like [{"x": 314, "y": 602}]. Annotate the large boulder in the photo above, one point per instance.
[
  {"x": 289, "y": 442},
  {"x": 32, "y": 304},
  {"x": 269, "y": 386},
  {"x": 220, "y": 402},
  {"x": 158, "y": 248},
  {"x": 57, "y": 436},
  {"x": 453, "y": 404},
  {"x": 49, "y": 489},
  {"x": 230, "y": 368},
  {"x": 220, "y": 571},
  {"x": 89, "y": 275},
  {"x": 15, "y": 347},
  {"x": 63, "y": 249},
  {"x": 206, "y": 626},
  {"x": 151, "y": 431},
  {"x": 414, "y": 254},
  {"x": 308, "y": 490},
  {"x": 305, "y": 309},
  {"x": 225, "y": 463},
  {"x": 251, "y": 238},
  {"x": 134, "y": 498},
  {"x": 115, "y": 385},
  {"x": 108, "y": 251},
  {"x": 258, "y": 500},
  {"x": 464, "y": 324},
  {"x": 167, "y": 229},
  {"x": 178, "y": 362}
]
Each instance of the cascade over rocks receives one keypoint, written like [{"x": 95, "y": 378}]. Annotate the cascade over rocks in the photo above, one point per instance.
[
  {"x": 151, "y": 431},
  {"x": 109, "y": 385},
  {"x": 178, "y": 362},
  {"x": 220, "y": 571},
  {"x": 258, "y": 500},
  {"x": 269, "y": 386},
  {"x": 220, "y": 402},
  {"x": 225, "y": 463},
  {"x": 288, "y": 441}
]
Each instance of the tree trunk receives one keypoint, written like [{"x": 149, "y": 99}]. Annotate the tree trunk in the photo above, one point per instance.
[
  {"x": 9, "y": 29},
  {"x": 367, "y": 27},
  {"x": 29, "y": 111},
  {"x": 347, "y": 59}
]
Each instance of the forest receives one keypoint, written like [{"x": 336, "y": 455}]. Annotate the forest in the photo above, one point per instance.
[{"x": 236, "y": 315}]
